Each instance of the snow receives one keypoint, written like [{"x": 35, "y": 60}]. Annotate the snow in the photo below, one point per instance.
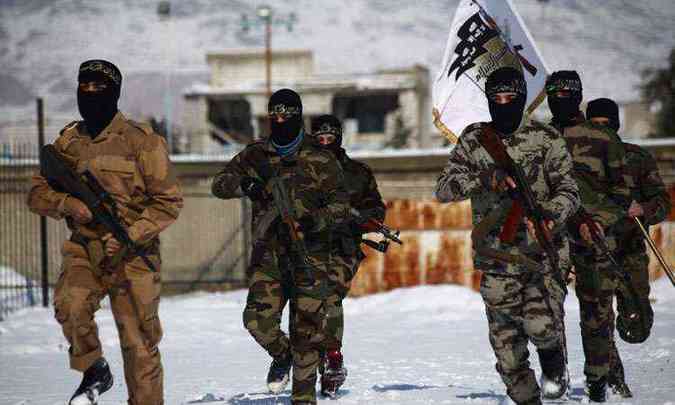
[{"x": 422, "y": 345}]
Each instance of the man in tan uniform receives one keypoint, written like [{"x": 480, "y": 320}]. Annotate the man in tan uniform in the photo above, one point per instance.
[{"x": 131, "y": 163}]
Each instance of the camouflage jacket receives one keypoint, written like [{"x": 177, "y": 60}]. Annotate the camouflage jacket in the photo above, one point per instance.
[
  {"x": 540, "y": 151},
  {"x": 131, "y": 162},
  {"x": 314, "y": 181},
  {"x": 647, "y": 188},
  {"x": 599, "y": 159},
  {"x": 361, "y": 187}
]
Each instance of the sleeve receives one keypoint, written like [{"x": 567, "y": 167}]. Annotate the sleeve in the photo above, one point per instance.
[
  {"x": 564, "y": 198},
  {"x": 164, "y": 197},
  {"x": 335, "y": 210},
  {"x": 42, "y": 198},
  {"x": 618, "y": 190},
  {"x": 371, "y": 198},
  {"x": 657, "y": 204},
  {"x": 226, "y": 184},
  {"x": 460, "y": 179}
]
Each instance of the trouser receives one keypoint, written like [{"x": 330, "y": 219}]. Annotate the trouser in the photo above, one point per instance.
[
  {"x": 272, "y": 283},
  {"x": 595, "y": 285},
  {"x": 340, "y": 274},
  {"x": 134, "y": 299},
  {"x": 518, "y": 313}
]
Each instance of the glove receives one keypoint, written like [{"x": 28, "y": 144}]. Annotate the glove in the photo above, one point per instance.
[
  {"x": 76, "y": 209},
  {"x": 366, "y": 215},
  {"x": 252, "y": 188},
  {"x": 306, "y": 224}
]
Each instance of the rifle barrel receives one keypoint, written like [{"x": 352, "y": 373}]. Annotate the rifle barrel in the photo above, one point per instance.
[{"x": 657, "y": 252}]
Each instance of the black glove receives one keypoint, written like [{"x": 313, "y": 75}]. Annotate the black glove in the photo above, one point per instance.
[
  {"x": 365, "y": 215},
  {"x": 307, "y": 224},
  {"x": 253, "y": 188}
]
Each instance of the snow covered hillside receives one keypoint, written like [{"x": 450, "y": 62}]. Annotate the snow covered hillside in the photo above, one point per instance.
[
  {"x": 43, "y": 41},
  {"x": 424, "y": 345}
]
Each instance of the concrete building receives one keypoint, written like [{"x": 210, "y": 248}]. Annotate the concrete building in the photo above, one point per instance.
[{"x": 384, "y": 107}]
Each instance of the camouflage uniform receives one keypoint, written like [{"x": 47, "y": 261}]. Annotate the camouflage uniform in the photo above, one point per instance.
[
  {"x": 648, "y": 189},
  {"x": 523, "y": 303},
  {"x": 598, "y": 169},
  {"x": 131, "y": 163},
  {"x": 363, "y": 195},
  {"x": 314, "y": 181}
]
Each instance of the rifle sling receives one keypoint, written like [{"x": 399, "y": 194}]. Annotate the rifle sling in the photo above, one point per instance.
[{"x": 490, "y": 141}]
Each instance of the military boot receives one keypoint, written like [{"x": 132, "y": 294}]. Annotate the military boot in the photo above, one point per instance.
[
  {"x": 554, "y": 377},
  {"x": 277, "y": 376},
  {"x": 333, "y": 373},
  {"x": 619, "y": 387},
  {"x": 597, "y": 390},
  {"x": 97, "y": 379}
]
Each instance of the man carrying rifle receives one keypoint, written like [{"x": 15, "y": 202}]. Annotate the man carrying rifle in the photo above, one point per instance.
[
  {"x": 651, "y": 203},
  {"x": 517, "y": 173},
  {"x": 598, "y": 170},
  {"x": 128, "y": 168},
  {"x": 347, "y": 255},
  {"x": 298, "y": 200}
]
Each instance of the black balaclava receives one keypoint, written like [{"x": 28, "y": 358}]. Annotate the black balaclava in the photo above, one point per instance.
[
  {"x": 98, "y": 108},
  {"x": 287, "y": 103},
  {"x": 606, "y": 108},
  {"x": 506, "y": 118},
  {"x": 565, "y": 109},
  {"x": 329, "y": 124}
]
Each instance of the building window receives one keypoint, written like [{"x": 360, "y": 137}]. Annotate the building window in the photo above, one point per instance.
[
  {"x": 230, "y": 120},
  {"x": 369, "y": 110}
]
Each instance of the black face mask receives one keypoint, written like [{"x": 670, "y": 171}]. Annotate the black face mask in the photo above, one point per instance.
[
  {"x": 97, "y": 108},
  {"x": 565, "y": 109},
  {"x": 506, "y": 118},
  {"x": 285, "y": 132}
]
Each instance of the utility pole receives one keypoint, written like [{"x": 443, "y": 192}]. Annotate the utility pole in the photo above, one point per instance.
[{"x": 268, "y": 19}]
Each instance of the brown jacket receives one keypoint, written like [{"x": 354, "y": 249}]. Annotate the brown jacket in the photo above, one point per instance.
[{"x": 131, "y": 162}]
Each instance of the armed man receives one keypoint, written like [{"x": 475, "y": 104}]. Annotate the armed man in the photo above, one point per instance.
[
  {"x": 347, "y": 255},
  {"x": 113, "y": 249},
  {"x": 651, "y": 204},
  {"x": 517, "y": 173},
  {"x": 298, "y": 201},
  {"x": 598, "y": 170}
]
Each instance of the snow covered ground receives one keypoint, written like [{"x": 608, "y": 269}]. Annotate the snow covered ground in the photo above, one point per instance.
[{"x": 424, "y": 345}]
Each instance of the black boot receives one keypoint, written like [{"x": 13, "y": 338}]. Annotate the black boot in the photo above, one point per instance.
[
  {"x": 96, "y": 380},
  {"x": 554, "y": 377},
  {"x": 333, "y": 373},
  {"x": 597, "y": 390},
  {"x": 619, "y": 387},
  {"x": 278, "y": 375}
]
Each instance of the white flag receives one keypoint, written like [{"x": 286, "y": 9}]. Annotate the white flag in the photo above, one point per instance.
[{"x": 484, "y": 36}]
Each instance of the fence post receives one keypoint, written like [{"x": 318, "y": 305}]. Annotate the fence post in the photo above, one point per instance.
[{"x": 44, "y": 259}]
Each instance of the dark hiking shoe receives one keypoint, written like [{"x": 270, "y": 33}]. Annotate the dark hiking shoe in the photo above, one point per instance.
[
  {"x": 597, "y": 390},
  {"x": 554, "y": 377},
  {"x": 97, "y": 379},
  {"x": 619, "y": 387},
  {"x": 278, "y": 375},
  {"x": 333, "y": 373}
]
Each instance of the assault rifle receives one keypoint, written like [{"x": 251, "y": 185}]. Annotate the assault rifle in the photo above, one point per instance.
[
  {"x": 522, "y": 195},
  {"x": 288, "y": 216},
  {"x": 584, "y": 217},
  {"x": 373, "y": 225},
  {"x": 87, "y": 189}
]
